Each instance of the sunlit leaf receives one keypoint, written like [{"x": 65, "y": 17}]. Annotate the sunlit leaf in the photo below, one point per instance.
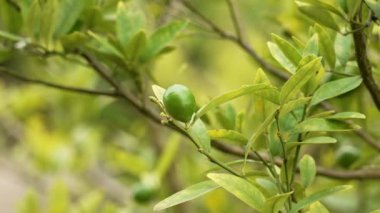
[
  {"x": 375, "y": 6},
  {"x": 319, "y": 15},
  {"x": 303, "y": 74},
  {"x": 325, "y": 6},
  {"x": 281, "y": 57},
  {"x": 158, "y": 92},
  {"x": 241, "y": 188},
  {"x": 105, "y": 45},
  {"x": 326, "y": 46},
  {"x": 135, "y": 46},
  {"x": 226, "y": 116},
  {"x": 317, "y": 196},
  {"x": 276, "y": 203},
  {"x": 231, "y": 135},
  {"x": 317, "y": 207},
  {"x": 291, "y": 105},
  {"x": 68, "y": 14},
  {"x": 162, "y": 37},
  {"x": 255, "y": 89},
  {"x": 288, "y": 49},
  {"x": 263, "y": 127},
  {"x": 335, "y": 88},
  {"x": 346, "y": 115},
  {"x": 342, "y": 47},
  {"x": 323, "y": 125},
  {"x": 198, "y": 132},
  {"x": 185, "y": 195},
  {"x": 312, "y": 46},
  {"x": 307, "y": 170},
  {"x": 311, "y": 141},
  {"x": 129, "y": 21}
]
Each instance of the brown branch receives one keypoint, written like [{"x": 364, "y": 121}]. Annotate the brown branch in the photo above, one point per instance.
[
  {"x": 57, "y": 86},
  {"x": 360, "y": 43}
]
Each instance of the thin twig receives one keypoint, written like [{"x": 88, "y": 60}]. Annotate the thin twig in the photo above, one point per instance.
[
  {"x": 235, "y": 18},
  {"x": 57, "y": 86}
]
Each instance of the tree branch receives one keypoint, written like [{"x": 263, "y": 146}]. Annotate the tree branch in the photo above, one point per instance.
[
  {"x": 235, "y": 18},
  {"x": 57, "y": 86},
  {"x": 360, "y": 43}
]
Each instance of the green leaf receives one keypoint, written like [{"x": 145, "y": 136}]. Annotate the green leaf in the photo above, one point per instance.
[
  {"x": 346, "y": 115},
  {"x": 375, "y": 7},
  {"x": 325, "y": 6},
  {"x": 129, "y": 21},
  {"x": 294, "y": 104},
  {"x": 323, "y": 125},
  {"x": 241, "y": 188},
  {"x": 315, "y": 81},
  {"x": 312, "y": 46},
  {"x": 281, "y": 58},
  {"x": 10, "y": 36},
  {"x": 307, "y": 170},
  {"x": 335, "y": 88},
  {"x": 300, "y": 78},
  {"x": 276, "y": 203},
  {"x": 48, "y": 24},
  {"x": 105, "y": 45},
  {"x": 220, "y": 134},
  {"x": 317, "y": 196},
  {"x": 161, "y": 38},
  {"x": 287, "y": 48},
  {"x": 317, "y": 207},
  {"x": 185, "y": 195},
  {"x": 263, "y": 127},
  {"x": 375, "y": 211},
  {"x": 311, "y": 141},
  {"x": 68, "y": 14},
  {"x": 326, "y": 46},
  {"x": 226, "y": 116},
  {"x": 319, "y": 15},
  {"x": 158, "y": 92},
  {"x": 342, "y": 48},
  {"x": 274, "y": 143},
  {"x": 135, "y": 46},
  {"x": 198, "y": 132},
  {"x": 255, "y": 89}
]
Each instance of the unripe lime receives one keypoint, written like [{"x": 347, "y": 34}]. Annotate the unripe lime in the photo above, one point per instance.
[
  {"x": 179, "y": 102},
  {"x": 143, "y": 193},
  {"x": 346, "y": 156}
]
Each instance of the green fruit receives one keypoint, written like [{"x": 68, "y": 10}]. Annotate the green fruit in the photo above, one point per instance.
[
  {"x": 143, "y": 193},
  {"x": 179, "y": 102},
  {"x": 346, "y": 156}
]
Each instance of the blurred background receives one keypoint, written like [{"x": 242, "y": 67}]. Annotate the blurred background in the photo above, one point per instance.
[{"x": 67, "y": 152}]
